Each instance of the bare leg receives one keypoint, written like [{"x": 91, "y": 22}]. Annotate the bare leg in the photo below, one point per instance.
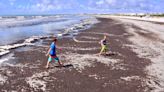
[
  {"x": 105, "y": 51},
  {"x": 60, "y": 63},
  {"x": 47, "y": 64},
  {"x": 101, "y": 51}
]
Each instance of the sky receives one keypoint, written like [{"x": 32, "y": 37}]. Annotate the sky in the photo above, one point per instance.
[{"x": 30, "y": 7}]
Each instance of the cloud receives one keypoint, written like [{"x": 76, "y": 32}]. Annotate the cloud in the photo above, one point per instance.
[
  {"x": 12, "y": 2},
  {"x": 111, "y": 1},
  {"x": 100, "y": 2},
  {"x": 126, "y": 5},
  {"x": 51, "y": 5}
]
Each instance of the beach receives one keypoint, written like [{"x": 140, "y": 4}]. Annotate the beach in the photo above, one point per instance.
[{"x": 126, "y": 68}]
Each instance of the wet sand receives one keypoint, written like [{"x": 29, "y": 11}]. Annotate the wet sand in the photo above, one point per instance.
[{"x": 119, "y": 71}]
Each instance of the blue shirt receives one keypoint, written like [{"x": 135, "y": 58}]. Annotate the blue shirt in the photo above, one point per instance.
[{"x": 53, "y": 49}]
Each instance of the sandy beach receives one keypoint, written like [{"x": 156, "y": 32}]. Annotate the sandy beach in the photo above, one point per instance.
[{"x": 124, "y": 69}]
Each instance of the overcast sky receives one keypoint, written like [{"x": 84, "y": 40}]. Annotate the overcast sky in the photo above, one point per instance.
[{"x": 17, "y": 7}]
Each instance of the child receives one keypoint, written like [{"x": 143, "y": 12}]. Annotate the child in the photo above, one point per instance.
[
  {"x": 103, "y": 43},
  {"x": 52, "y": 53}
]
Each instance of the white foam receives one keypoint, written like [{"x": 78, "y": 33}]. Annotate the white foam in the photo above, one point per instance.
[
  {"x": 10, "y": 56},
  {"x": 84, "y": 24},
  {"x": 5, "y": 49},
  {"x": 2, "y": 60},
  {"x": 8, "y": 47},
  {"x": 33, "y": 38},
  {"x": 3, "y": 52}
]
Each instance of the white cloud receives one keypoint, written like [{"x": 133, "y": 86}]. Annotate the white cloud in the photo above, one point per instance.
[
  {"x": 46, "y": 1},
  {"x": 12, "y": 2},
  {"x": 48, "y": 5},
  {"x": 111, "y": 1},
  {"x": 124, "y": 5},
  {"x": 100, "y": 2}
]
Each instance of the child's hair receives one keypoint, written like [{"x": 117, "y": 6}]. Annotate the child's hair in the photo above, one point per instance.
[{"x": 55, "y": 39}]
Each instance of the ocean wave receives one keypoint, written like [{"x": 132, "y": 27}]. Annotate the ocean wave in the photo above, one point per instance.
[
  {"x": 8, "y": 57},
  {"x": 7, "y": 23},
  {"x": 29, "y": 41},
  {"x": 75, "y": 28}
]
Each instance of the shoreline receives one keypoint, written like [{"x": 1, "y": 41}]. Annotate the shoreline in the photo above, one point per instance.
[
  {"x": 156, "y": 20},
  {"x": 84, "y": 71}
]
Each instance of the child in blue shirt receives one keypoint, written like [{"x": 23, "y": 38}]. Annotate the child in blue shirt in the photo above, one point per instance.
[{"x": 52, "y": 53}]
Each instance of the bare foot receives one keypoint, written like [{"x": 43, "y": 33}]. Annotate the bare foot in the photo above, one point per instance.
[
  {"x": 61, "y": 65},
  {"x": 97, "y": 54},
  {"x": 46, "y": 67}
]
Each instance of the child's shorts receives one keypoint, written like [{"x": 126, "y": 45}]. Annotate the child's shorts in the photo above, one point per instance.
[
  {"x": 50, "y": 58},
  {"x": 104, "y": 48}
]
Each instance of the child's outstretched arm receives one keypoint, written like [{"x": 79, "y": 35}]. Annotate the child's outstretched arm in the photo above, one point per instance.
[
  {"x": 58, "y": 47},
  {"x": 99, "y": 42}
]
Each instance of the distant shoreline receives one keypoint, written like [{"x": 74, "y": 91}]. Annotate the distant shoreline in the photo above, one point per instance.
[{"x": 148, "y": 19}]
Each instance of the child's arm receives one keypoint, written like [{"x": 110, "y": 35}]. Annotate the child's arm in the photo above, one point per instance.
[
  {"x": 100, "y": 41},
  {"x": 58, "y": 47},
  {"x": 48, "y": 51}
]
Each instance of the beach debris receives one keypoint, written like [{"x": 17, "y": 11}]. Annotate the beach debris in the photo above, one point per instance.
[
  {"x": 147, "y": 42},
  {"x": 3, "y": 79},
  {"x": 95, "y": 76},
  {"x": 80, "y": 61},
  {"x": 130, "y": 78},
  {"x": 36, "y": 82},
  {"x": 78, "y": 41},
  {"x": 83, "y": 49}
]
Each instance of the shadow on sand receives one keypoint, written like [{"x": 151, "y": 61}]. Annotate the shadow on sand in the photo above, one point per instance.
[
  {"x": 65, "y": 66},
  {"x": 110, "y": 54}
]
